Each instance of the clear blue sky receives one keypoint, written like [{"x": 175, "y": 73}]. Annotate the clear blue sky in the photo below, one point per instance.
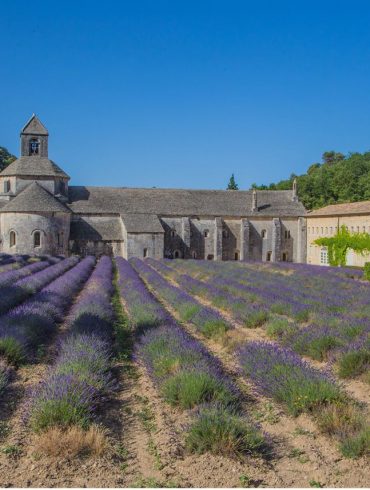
[{"x": 183, "y": 93}]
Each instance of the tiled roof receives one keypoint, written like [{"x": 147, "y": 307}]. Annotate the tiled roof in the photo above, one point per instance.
[
  {"x": 182, "y": 202},
  {"x": 362, "y": 207},
  {"x": 34, "y": 199},
  {"x": 142, "y": 223},
  {"x": 95, "y": 229},
  {"x": 33, "y": 166},
  {"x": 35, "y": 126}
]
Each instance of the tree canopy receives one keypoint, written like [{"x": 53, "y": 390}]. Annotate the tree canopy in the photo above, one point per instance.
[
  {"x": 6, "y": 158},
  {"x": 232, "y": 185},
  {"x": 337, "y": 179}
]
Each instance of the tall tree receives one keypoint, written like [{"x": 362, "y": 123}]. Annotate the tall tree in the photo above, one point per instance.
[
  {"x": 232, "y": 185},
  {"x": 6, "y": 158}
]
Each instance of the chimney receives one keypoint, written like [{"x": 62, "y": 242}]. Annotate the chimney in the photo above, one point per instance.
[
  {"x": 254, "y": 200},
  {"x": 294, "y": 191}
]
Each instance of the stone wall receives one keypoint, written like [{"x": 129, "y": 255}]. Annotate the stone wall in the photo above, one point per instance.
[
  {"x": 144, "y": 245},
  {"x": 54, "y": 231}
]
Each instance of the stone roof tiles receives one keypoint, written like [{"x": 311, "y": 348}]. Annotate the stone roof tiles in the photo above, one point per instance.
[
  {"x": 96, "y": 229},
  {"x": 142, "y": 223},
  {"x": 35, "y": 126},
  {"x": 34, "y": 199},
  {"x": 33, "y": 166},
  {"x": 362, "y": 207},
  {"x": 182, "y": 202}
]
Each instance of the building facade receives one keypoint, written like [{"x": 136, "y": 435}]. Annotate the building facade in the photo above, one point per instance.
[
  {"x": 326, "y": 222},
  {"x": 40, "y": 213}
]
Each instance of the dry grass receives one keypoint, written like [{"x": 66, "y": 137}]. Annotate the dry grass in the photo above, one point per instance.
[
  {"x": 342, "y": 418},
  {"x": 72, "y": 442}
]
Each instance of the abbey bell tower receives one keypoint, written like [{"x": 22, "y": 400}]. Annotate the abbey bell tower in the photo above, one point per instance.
[{"x": 34, "y": 139}]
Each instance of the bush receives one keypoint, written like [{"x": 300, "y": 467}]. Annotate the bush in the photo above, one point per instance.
[
  {"x": 221, "y": 432},
  {"x": 367, "y": 271},
  {"x": 12, "y": 350},
  {"x": 279, "y": 327},
  {"x": 353, "y": 363},
  {"x": 358, "y": 445},
  {"x": 190, "y": 388}
]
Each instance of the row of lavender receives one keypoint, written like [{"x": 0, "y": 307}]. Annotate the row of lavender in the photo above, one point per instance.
[
  {"x": 185, "y": 373},
  {"x": 339, "y": 336},
  {"x": 80, "y": 376},
  {"x": 281, "y": 374},
  {"x": 207, "y": 320},
  {"x": 29, "y": 326}
]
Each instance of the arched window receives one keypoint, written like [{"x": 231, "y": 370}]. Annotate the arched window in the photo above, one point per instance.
[
  {"x": 236, "y": 255},
  {"x": 268, "y": 256},
  {"x": 173, "y": 233},
  {"x": 37, "y": 239},
  {"x": 145, "y": 252},
  {"x": 177, "y": 254},
  {"x": 264, "y": 234},
  {"x": 206, "y": 233},
  {"x": 12, "y": 239},
  {"x": 34, "y": 146}
]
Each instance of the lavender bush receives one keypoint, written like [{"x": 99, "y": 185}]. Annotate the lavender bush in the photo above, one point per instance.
[
  {"x": 283, "y": 375},
  {"x": 12, "y": 276}
]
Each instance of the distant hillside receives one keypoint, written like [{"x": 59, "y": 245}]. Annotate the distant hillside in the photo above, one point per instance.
[
  {"x": 337, "y": 179},
  {"x": 5, "y": 158}
]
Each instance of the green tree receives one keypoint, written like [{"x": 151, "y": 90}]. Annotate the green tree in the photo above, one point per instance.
[
  {"x": 338, "y": 179},
  {"x": 6, "y": 158},
  {"x": 232, "y": 185}
]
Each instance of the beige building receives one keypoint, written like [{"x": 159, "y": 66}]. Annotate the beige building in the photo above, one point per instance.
[{"x": 326, "y": 221}]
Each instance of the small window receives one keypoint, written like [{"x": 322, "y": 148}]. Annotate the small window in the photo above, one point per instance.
[
  {"x": 60, "y": 239},
  {"x": 264, "y": 234},
  {"x": 206, "y": 233},
  {"x": 210, "y": 257},
  {"x": 236, "y": 255},
  {"x": 12, "y": 239},
  {"x": 6, "y": 185},
  {"x": 285, "y": 257},
  {"x": 324, "y": 258},
  {"x": 36, "y": 239},
  {"x": 268, "y": 256},
  {"x": 177, "y": 254},
  {"x": 287, "y": 234},
  {"x": 173, "y": 233},
  {"x": 194, "y": 254},
  {"x": 34, "y": 147},
  {"x": 145, "y": 252}
]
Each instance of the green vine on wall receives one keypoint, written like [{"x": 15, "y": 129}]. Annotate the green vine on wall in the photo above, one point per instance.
[{"x": 341, "y": 242}]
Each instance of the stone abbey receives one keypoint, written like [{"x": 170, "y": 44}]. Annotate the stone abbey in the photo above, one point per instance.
[{"x": 40, "y": 213}]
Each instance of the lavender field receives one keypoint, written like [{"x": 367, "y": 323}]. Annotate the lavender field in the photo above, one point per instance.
[{"x": 182, "y": 373}]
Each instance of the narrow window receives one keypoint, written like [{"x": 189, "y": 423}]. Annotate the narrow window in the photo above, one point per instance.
[
  {"x": 194, "y": 254},
  {"x": 12, "y": 239},
  {"x": 34, "y": 146},
  {"x": 285, "y": 257},
  {"x": 36, "y": 239},
  {"x": 173, "y": 233},
  {"x": 6, "y": 185},
  {"x": 206, "y": 233},
  {"x": 236, "y": 256},
  {"x": 324, "y": 259},
  {"x": 176, "y": 254},
  {"x": 60, "y": 239},
  {"x": 268, "y": 256},
  {"x": 145, "y": 252},
  {"x": 264, "y": 234}
]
